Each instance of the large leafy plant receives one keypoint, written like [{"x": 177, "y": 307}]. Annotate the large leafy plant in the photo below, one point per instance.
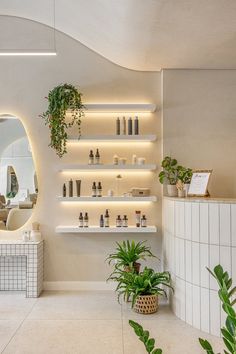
[
  {"x": 184, "y": 174},
  {"x": 61, "y": 99},
  {"x": 148, "y": 282},
  {"x": 227, "y": 296},
  {"x": 144, "y": 336},
  {"x": 128, "y": 253},
  {"x": 169, "y": 173}
]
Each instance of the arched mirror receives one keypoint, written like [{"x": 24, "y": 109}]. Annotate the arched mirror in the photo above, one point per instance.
[{"x": 18, "y": 179}]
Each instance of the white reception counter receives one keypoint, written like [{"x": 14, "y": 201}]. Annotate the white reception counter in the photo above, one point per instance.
[{"x": 199, "y": 233}]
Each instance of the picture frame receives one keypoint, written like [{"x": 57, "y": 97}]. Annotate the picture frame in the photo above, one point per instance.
[{"x": 199, "y": 183}]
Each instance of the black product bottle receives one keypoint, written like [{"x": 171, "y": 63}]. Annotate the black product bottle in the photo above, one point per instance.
[
  {"x": 81, "y": 220},
  {"x": 106, "y": 219},
  {"x": 94, "y": 190},
  {"x": 97, "y": 157},
  {"x": 71, "y": 188},
  {"x": 143, "y": 221},
  {"x": 64, "y": 190},
  {"x": 101, "y": 221},
  {"x": 118, "y": 126},
  {"x": 130, "y": 126},
  {"x": 136, "y": 126},
  {"x": 91, "y": 158},
  {"x": 99, "y": 190},
  {"x": 86, "y": 220},
  {"x": 125, "y": 221},
  {"x": 118, "y": 221}
]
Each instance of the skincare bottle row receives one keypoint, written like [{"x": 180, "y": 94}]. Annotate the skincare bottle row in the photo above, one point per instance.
[
  {"x": 94, "y": 159},
  {"x": 83, "y": 220},
  {"x": 71, "y": 188},
  {"x": 96, "y": 189},
  {"x": 122, "y": 126}
]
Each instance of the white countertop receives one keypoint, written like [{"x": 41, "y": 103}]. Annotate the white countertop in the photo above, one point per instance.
[
  {"x": 203, "y": 200},
  {"x": 18, "y": 242}
]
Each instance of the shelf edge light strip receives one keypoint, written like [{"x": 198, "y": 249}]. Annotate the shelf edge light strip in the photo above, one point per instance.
[{"x": 28, "y": 53}]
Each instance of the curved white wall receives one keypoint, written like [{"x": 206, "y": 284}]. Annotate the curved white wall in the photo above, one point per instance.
[
  {"x": 199, "y": 234},
  {"x": 25, "y": 81}
]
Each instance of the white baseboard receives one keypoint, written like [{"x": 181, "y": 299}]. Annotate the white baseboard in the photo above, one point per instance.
[{"x": 78, "y": 285}]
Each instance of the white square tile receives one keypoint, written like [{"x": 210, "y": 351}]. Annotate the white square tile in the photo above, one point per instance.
[
  {"x": 214, "y": 261},
  {"x": 205, "y": 310},
  {"x": 225, "y": 258},
  {"x": 234, "y": 265},
  {"x": 204, "y": 262},
  {"x": 204, "y": 227},
  {"x": 214, "y": 227},
  {"x": 182, "y": 258},
  {"x": 189, "y": 304},
  {"x": 195, "y": 264},
  {"x": 195, "y": 222},
  {"x": 182, "y": 300},
  {"x": 188, "y": 260},
  {"x": 233, "y": 224},
  {"x": 188, "y": 220},
  {"x": 196, "y": 306},
  {"x": 225, "y": 236},
  {"x": 214, "y": 313},
  {"x": 179, "y": 219}
]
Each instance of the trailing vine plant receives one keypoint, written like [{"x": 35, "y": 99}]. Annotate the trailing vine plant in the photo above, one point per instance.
[
  {"x": 61, "y": 99},
  {"x": 144, "y": 336}
]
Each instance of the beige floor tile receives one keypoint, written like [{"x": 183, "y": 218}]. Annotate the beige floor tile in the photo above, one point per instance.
[
  {"x": 76, "y": 305},
  {"x": 15, "y": 306},
  {"x": 173, "y": 336},
  {"x": 67, "y": 337},
  {"x": 164, "y": 313},
  {"x": 7, "y": 330}
]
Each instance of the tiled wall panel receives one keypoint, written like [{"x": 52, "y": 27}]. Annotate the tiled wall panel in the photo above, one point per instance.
[{"x": 200, "y": 234}]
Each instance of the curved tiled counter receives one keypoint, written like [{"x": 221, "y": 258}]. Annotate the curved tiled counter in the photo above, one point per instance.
[{"x": 199, "y": 233}]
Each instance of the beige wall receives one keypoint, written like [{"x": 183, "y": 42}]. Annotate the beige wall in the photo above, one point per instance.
[
  {"x": 199, "y": 123},
  {"x": 25, "y": 81}
]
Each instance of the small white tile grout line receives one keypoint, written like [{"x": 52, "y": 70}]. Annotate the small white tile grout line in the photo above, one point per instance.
[{"x": 18, "y": 328}]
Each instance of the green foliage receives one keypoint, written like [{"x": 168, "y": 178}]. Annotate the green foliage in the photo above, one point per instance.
[
  {"x": 227, "y": 296},
  {"x": 61, "y": 99},
  {"x": 11, "y": 195},
  {"x": 127, "y": 253},
  {"x": 184, "y": 174},
  {"x": 148, "y": 282},
  {"x": 143, "y": 335},
  {"x": 169, "y": 172}
]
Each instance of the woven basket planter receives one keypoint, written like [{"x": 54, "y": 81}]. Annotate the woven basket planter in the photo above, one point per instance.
[{"x": 146, "y": 304}]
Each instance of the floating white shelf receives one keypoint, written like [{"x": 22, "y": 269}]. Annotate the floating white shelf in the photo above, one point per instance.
[
  {"x": 104, "y": 167},
  {"x": 104, "y": 230},
  {"x": 107, "y": 199},
  {"x": 120, "y": 107},
  {"x": 113, "y": 138}
]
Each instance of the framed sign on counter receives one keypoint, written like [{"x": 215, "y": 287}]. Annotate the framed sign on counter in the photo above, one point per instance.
[{"x": 199, "y": 183}]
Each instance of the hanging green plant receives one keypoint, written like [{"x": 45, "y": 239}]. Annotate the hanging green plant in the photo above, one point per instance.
[{"x": 61, "y": 99}]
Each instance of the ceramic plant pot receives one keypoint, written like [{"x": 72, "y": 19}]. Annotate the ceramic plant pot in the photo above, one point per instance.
[
  {"x": 186, "y": 188},
  {"x": 172, "y": 190},
  {"x": 181, "y": 193},
  {"x": 146, "y": 304}
]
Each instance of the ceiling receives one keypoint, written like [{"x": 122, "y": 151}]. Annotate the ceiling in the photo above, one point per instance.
[{"x": 144, "y": 35}]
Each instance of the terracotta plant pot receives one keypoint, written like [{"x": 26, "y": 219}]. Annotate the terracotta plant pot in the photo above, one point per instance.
[
  {"x": 172, "y": 190},
  {"x": 136, "y": 266},
  {"x": 146, "y": 304}
]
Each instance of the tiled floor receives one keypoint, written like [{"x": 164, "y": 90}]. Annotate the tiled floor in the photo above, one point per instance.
[{"x": 87, "y": 323}]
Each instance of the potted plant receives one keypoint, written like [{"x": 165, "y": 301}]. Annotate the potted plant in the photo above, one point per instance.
[
  {"x": 169, "y": 175},
  {"x": 61, "y": 99},
  {"x": 143, "y": 288},
  {"x": 128, "y": 254},
  {"x": 184, "y": 178}
]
